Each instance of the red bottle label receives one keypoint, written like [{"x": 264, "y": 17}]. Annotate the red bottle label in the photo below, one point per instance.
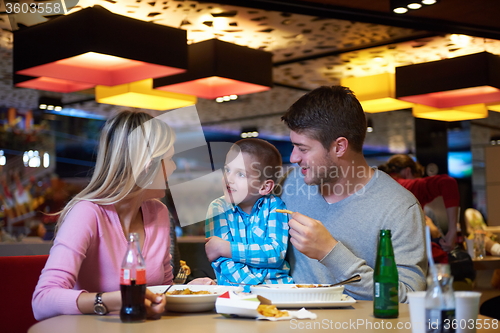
[
  {"x": 126, "y": 277},
  {"x": 141, "y": 276}
]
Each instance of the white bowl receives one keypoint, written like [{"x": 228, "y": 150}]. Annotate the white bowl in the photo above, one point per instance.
[
  {"x": 192, "y": 303},
  {"x": 284, "y": 293}
]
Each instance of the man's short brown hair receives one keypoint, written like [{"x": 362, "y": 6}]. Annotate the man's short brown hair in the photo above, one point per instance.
[{"x": 327, "y": 113}]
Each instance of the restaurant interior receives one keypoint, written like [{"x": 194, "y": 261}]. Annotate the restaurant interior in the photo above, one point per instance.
[{"x": 428, "y": 80}]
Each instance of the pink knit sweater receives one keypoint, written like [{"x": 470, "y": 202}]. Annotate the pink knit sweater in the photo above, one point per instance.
[{"x": 88, "y": 252}]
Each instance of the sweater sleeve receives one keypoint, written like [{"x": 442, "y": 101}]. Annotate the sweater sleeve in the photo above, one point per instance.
[
  {"x": 410, "y": 256},
  {"x": 54, "y": 293}
]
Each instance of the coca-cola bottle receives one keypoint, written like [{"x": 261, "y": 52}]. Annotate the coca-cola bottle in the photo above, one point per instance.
[{"x": 133, "y": 283}]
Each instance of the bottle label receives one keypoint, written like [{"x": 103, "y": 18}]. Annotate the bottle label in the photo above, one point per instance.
[
  {"x": 141, "y": 276},
  {"x": 385, "y": 296},
  {"x": 439, "y": 321},
  {"x": 127, "y": 279}
]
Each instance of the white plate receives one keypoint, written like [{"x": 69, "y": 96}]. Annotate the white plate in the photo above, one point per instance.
[
  {"x": 290, "y": 293},
  {"x": 192, "y": 303},
  {"x": 346, "y": 300}
]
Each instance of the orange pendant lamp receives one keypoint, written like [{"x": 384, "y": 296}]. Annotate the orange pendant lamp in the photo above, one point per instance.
[
  {"x": 96, "y": 47},
  {"x": 465, "y": 80},
  {"x": 217, "y": 68}
]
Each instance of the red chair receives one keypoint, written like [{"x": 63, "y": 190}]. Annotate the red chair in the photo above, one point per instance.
[{"x": 18, "y": 278}]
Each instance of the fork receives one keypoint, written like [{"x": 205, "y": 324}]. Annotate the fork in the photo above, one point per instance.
[{"x": 181, "y": 277}]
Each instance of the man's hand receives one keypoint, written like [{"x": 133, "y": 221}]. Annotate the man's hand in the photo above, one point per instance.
[
  {"x": 216, "y": 247},
  {"x": 310, "y": 236}
]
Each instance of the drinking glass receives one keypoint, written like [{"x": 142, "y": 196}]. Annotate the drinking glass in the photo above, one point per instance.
[{"x": 479, "y": 249}]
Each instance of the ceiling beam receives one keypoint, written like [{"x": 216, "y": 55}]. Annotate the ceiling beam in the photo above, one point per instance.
[{"x": 359, "y": 15}]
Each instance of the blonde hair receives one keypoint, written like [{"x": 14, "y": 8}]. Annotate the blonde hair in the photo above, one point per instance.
[{"x": 131, "y": 147}]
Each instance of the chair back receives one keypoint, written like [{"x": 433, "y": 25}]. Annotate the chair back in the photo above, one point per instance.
[{"x": 18, "y": 278}]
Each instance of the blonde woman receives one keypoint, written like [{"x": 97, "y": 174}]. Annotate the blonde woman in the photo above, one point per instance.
[{"x": 133, "y": 161}]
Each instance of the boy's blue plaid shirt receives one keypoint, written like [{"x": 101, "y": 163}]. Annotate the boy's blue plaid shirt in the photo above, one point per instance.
[{"x": 258, "y": 240}]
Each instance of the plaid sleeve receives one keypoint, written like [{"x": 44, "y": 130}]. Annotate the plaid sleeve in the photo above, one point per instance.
[
  {"x": 216, "y": 221},
  {"x": 230, "y": 273},
  {"x": 269, "y": 248},
  {"x": 226, "y": 270}
]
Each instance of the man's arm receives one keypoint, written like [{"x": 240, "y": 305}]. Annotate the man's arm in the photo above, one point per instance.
[{"x": 407, "y": 226}]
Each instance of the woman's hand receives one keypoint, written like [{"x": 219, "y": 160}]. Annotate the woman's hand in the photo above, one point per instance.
[
  {"x": 155, "y": 304},
  {"x": 203, "y": 281}
]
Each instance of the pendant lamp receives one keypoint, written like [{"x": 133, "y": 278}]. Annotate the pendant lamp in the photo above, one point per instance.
[
  {"x": 457, "y": 113},
  {"x": 97, "y": 47},
  {"x": 141, "y": 95},
  {"x": 49, "y": 84},
  {"x": 217, "y": 68},
  {"x": 376, "y": 93},
  {"x": 494, "y": 106},
  {"x": 465, "y": 80}
]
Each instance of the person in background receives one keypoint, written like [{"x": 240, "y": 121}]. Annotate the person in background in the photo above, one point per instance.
[
  {"x": 407, "y": 172},
  {"x": 246, "y": 238},
  {"x": 474, "y": 221},
  {"x": 340, "y": 204},
  {"x": 134, "y": 157}
]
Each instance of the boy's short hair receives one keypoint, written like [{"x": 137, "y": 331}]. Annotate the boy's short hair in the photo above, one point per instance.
[{"x": 265, "y": 153}]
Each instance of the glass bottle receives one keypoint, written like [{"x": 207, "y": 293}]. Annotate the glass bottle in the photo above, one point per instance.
[
  {"x": 133, "y": 283},
  {"x": 440, "y": 301},
  {"x": 385, "y": 279}
]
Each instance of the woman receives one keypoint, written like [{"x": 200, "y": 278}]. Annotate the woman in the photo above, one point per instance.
[
  {"x": 409, "y": 174},
  {"x": 133, "y": 161}
]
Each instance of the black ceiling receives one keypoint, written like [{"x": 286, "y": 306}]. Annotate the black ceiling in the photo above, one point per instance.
[{"x": 470, "y": 17}]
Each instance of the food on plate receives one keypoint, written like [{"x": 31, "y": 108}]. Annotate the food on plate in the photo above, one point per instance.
[
  {"x": 271, "y": 311},
  {"x": 306, "y": 286},
  {"x": 188, "y": 291}
]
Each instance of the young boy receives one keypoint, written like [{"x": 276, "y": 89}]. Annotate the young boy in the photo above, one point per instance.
[{"x": 247, "y": 238}]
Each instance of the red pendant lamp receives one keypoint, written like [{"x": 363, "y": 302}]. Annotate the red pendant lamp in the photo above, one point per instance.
[
  {"x": 95, "y": 46},
  {"x": 217, "y": 68}
]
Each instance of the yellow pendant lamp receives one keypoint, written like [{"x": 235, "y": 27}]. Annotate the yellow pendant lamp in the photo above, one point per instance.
[
  {"x": 376, "y": 93},
  {"x": 140, "y": 94},
  {"x": 456, "y": 113}
]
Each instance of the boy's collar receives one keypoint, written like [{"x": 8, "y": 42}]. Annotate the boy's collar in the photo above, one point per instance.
[{"x": 256, "y": 205}]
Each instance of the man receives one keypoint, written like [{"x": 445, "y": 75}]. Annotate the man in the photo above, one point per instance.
[{"x": 340, "y": 203}]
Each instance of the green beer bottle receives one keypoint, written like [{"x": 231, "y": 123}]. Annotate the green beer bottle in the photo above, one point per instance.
[{"x": 385, "y": 279}]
